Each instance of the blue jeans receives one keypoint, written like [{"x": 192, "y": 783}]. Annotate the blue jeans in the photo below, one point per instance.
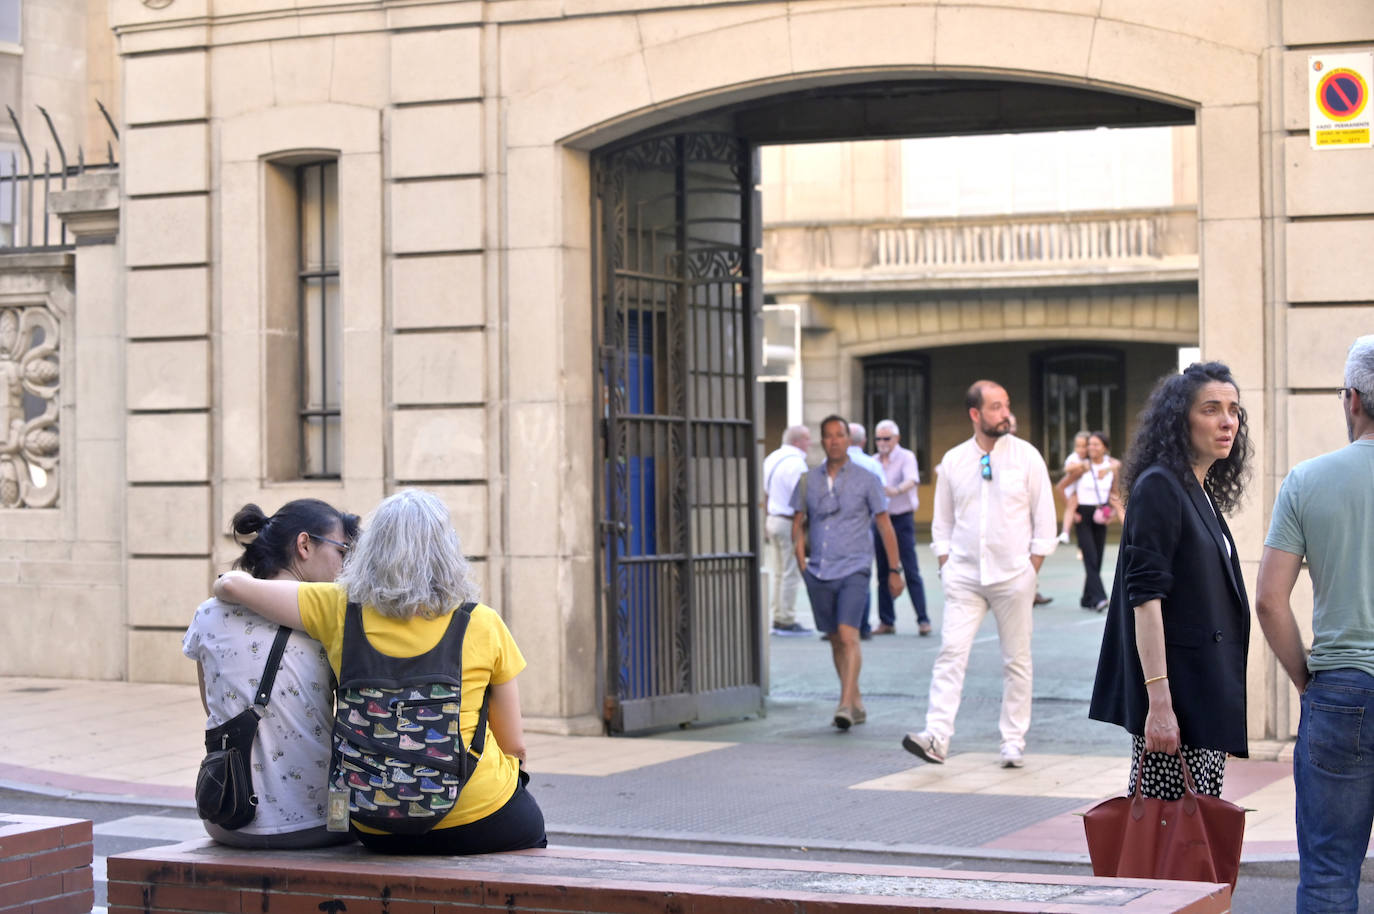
[
  {"x": 1333, "y": 770},
  {"x": 904, "y": 526}
]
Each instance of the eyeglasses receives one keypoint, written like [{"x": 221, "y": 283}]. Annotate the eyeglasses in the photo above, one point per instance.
[
  {"x": 343, "y": 547},
  {"x": 985, "y": 464},
  {"x": 1340, "y": 393},
  {"x": 883, "y": 438}
]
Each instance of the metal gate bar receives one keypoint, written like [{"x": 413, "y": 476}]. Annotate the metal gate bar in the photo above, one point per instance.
[{"x": 679, "y": 540}]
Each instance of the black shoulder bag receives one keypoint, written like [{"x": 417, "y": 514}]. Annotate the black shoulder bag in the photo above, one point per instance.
[{"x": 224, "y": 786}]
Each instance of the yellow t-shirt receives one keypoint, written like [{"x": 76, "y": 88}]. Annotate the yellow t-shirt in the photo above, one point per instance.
[{"x": 489, "y": 656}]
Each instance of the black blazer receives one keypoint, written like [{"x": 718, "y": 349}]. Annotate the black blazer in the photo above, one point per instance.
[{"x": 1173, "y": 549}]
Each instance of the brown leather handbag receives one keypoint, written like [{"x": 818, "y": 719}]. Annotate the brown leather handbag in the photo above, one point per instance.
[{"x": 1196, "y": 837}]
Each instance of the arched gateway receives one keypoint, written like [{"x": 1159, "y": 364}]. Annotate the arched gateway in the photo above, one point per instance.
[{"x": 678, "y": 285}]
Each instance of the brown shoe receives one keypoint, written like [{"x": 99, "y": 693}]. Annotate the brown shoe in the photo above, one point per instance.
[
  {"x": 844, "y": 717},
  {"x": 924, "y": 629},
  {"x": 885, "y": 630}
]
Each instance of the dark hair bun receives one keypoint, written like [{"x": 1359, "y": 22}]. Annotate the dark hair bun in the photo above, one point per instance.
[{"x": 248, "y": 520}]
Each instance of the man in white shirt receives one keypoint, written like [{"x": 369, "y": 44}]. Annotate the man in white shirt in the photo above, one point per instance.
[
  {"x": 781, "y": 470},
  {"x": 993, "y": 525}
]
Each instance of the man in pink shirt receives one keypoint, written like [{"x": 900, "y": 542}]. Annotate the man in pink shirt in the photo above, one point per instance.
[{"x": 901, "y": 477}]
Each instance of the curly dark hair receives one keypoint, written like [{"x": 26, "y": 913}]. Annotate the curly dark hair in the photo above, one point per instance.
[{"x": 1162, "y": 437}]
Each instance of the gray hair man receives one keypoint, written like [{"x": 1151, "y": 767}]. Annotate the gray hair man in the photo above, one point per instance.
[
  {"x": 901, "y": 476},
  {"x": 1325, "y": 512},
  {"x": 781, "y": 471}
]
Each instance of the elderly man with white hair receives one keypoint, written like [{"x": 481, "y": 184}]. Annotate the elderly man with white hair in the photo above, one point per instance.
[
  {"x": 781, "y": 471},
  {"x": 901, "y": 476}
]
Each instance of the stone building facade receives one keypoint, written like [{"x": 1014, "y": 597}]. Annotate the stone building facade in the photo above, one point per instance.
[{"x": 481, "y": 166}]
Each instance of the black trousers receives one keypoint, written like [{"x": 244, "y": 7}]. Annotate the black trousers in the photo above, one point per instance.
[
  {"x": 1092, "y": 539},
  {"x": 517, "y": 825}
]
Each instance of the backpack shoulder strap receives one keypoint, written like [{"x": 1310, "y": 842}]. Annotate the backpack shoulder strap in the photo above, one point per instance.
[{"x": 269, "y": 672}]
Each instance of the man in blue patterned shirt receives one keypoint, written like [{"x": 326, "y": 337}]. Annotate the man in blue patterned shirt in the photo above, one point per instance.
[{"x": 836, "y": 505}]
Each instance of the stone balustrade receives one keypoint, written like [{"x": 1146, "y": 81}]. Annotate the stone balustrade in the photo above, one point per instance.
[{"x": 1078, "y": 243}]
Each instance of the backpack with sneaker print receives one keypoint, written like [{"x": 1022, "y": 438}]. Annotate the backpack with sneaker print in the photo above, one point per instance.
[{"x": 398, "y": 751}]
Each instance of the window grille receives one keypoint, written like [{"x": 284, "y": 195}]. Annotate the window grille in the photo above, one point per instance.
[
  {"x": 1081, "y": 391},
  {"x": 321, "y": 325},
  {"x": 897, "y": 387}
]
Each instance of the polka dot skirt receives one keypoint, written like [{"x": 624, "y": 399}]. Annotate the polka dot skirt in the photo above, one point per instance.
[{"x": 1164, "y": 776}]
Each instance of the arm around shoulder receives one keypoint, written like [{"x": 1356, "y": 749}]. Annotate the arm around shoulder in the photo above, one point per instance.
[{"x": 275, "y": 600}]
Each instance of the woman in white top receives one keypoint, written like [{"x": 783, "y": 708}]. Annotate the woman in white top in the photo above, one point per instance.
[
  {"x": 304, "y": 541},
  {"x": 1095, "y": 487}
]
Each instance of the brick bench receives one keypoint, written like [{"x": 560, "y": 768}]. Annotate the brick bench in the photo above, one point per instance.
[
  {"x": 45, "y": 865},
  {"x": 201, "y": 876}
]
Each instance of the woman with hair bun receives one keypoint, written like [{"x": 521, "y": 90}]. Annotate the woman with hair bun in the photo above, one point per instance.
[
  {"x": 306, "y": 540},
  {"x": 1172, "y": 667},
  {"x": 405, "y": 585}
]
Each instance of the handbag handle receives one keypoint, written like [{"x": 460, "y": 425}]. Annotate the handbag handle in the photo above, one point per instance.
[{"x": 1189, "y": 788}]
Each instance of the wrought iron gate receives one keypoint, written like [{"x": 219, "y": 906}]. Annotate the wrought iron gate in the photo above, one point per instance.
[{"x": 679, "y": 544}]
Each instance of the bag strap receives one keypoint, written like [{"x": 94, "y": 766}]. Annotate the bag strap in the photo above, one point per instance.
[
  {"x": 768, "y": 480},
  {"x": 269, "y": 672},
  {"x": 479, "y": 736},
  {"x": 1092, "y": 471}
]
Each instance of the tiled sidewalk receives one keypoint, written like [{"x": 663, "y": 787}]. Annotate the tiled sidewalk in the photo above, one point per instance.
[{"x": 142, "y": 741}]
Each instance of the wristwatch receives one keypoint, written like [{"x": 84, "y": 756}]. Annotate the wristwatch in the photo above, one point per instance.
[{"x": 895, "y": 570}]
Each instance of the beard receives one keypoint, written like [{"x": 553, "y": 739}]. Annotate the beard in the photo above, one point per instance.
[{"x": 995, "y": 431}]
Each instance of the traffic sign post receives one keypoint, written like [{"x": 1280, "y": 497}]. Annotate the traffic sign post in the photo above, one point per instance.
[{"x": 1338, "y": 92}]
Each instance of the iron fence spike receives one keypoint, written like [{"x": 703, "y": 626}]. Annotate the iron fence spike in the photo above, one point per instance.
[{"x": 109, "y": 120}]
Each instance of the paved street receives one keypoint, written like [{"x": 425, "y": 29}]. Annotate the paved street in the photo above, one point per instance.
[{"x": 788, "y": 784}]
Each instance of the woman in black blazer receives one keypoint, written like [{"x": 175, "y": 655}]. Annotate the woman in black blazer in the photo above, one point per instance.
[{"x": 1172, "y": 667}]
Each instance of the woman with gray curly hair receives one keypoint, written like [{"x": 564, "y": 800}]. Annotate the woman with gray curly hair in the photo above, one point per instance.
[{"x": 402, "y": 585}]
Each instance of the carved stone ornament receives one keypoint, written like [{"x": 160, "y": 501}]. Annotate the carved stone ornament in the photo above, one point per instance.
[{"x": 29, "y": 379}]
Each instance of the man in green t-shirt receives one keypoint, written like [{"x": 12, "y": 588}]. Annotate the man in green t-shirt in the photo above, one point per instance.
[{"x": 1325, "y": 512}]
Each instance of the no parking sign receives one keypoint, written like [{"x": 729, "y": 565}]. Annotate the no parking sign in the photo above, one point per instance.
[{"x": 1338, "y": 90}]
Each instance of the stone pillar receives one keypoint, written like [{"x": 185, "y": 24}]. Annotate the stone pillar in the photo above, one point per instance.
[
  {"x": 166, "y": 244},
  {"x": 72, "y": 576}
]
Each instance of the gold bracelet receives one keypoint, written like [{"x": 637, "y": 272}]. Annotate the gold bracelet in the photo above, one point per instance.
[{"x": 1156, "y": 678}]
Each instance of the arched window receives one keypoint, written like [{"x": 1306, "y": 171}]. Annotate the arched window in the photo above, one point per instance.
[{"x": 1080, "y": 389}]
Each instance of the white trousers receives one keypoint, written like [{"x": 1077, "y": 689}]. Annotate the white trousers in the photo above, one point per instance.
[
  {"x": 966, "y": 603},
  {"x": 785, "y": 576}
]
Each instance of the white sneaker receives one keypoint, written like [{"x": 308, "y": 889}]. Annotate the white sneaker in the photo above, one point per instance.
[
  {"x": 923, "y": 745},
  {"x": 1012, "y": 757}
]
